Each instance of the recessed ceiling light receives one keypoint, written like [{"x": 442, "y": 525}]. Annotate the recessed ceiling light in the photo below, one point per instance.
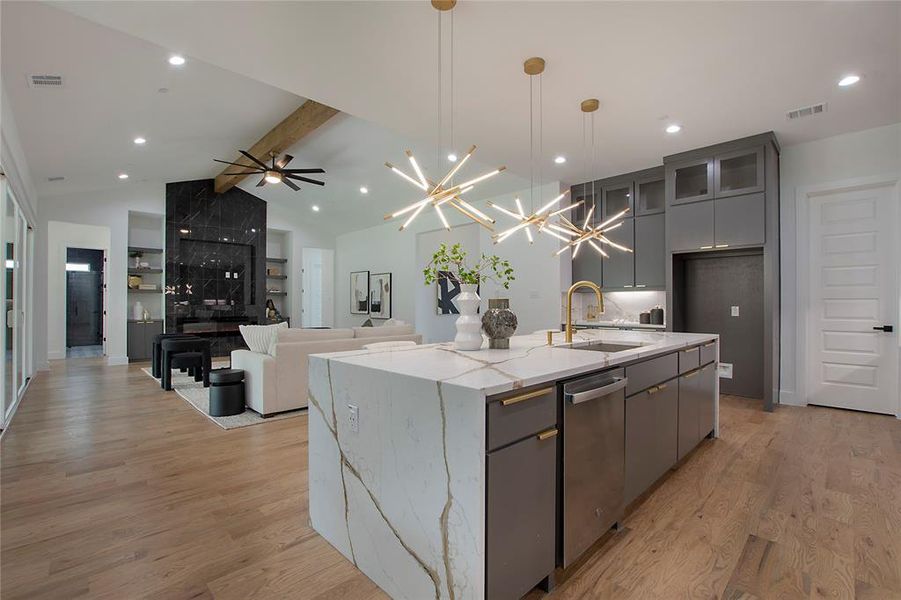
[
  {"x": 140, "y": 141},
  {"x": 364, "y": 190},
  {"x": 452, "y": 157},
  {"x": 848, "y": 80},
  {"x": 123, "y": 175},
  {"x": 315, "y": 208},
  {"x": 560, "y": 160},
  {"x": 673, "y": 128},
  {"x": 176, "y": 61}
]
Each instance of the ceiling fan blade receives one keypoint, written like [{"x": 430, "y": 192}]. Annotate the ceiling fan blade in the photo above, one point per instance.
[
  {"x": 283, "y": 161},
  {"x": 299, "y": 178},
  {"x": 245, "y": 173},
  {"x": 303, "y": 170},
  {"x": 251, "y": 157},
  {"x": 291, "y": 185},
  {"x": 225, "y": 162},
  {"x": 262, "y": 182}
]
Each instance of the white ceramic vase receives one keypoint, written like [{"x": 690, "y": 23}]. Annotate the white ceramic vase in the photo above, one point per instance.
[
  {"x": 138, "y": 311},
  {"x": 469, "y": 325}
]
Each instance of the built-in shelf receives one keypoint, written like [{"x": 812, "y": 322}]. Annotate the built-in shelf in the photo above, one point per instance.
[
  {"x": 271, "y": 293},
  {"x": 276, "y": 276},
  {"x": 143, "y": 321},
  {"x": 276, "y": 260},
  {"x": 142, "y": 250},
  {"x": 148, "y": 271},
  {"x": 153, "y": 291}
]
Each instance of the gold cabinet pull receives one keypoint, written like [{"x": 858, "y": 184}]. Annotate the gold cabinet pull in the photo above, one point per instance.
[
  {"x": 526, "y": 396},
  {"x": 547, "y": 434},
  {"x": 692, "y": 374},
  {"x": 657, "y": 388}
]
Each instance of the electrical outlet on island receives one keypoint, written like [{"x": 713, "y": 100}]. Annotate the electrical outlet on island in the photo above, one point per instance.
[{"x": 353, "y": 417}]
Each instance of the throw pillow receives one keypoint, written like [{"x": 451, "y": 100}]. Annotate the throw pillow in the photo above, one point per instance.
[{"x": 261, "y": 338}]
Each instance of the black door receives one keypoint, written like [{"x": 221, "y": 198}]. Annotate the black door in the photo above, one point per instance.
[{"x": 84, "y": 297}]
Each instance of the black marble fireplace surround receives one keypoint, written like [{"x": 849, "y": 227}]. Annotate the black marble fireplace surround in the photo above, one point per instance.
[{"x": 215, "y": 262}]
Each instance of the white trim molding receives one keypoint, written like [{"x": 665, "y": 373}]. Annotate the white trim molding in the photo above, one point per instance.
[{"x": 802, "y": 299}]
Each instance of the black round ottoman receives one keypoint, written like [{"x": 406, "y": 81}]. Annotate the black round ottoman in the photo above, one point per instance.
[{"x": 226, "y": 392}]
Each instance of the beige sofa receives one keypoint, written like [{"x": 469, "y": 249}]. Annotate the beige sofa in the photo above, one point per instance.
[{"x": 278, "y": 382}]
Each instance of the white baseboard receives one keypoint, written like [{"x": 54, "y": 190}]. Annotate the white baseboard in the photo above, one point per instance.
[
  {"x": 790, "y": 398},
  {"x": 56, "y": 354},
  {"x": 114, "y": 361}
]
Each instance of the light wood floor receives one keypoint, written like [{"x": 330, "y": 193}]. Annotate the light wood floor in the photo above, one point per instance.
[{"x": 113, "y": 489}]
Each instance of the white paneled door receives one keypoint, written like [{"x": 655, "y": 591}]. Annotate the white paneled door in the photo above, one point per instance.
[{"x": 853, "y": 276}]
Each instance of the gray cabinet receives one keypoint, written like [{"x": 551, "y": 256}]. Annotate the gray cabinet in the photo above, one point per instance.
[
  {"x": 691, "y": 226},
  {"x": 697, "y": 407},
  {"x": 650, "y": 251},
  {"x": 739, "y": 221},
  {"x": 587, "y": 264},
  {"x": 619, "y": 266},
  {"x": 690, "y": 181},
  {"x": 139, "y": 338},
  {"x": 739, "y": 172},
  {"x": 651, "y": 436},
  {"x": 521, "y": 519},
  {"x": 617, "y": 197},
  {"x": 706, "y": 386},
  {"x": 650, "y": 193}
]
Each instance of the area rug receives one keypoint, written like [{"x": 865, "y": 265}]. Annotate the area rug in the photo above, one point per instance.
[{"x": 198, "y": 396}]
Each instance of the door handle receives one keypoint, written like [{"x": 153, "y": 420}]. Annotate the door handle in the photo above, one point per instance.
[
  {"x": 579, "y": 397},
  {"x": 885, "y": 328}
]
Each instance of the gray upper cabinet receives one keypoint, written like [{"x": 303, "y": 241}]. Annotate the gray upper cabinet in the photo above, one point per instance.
[
  {"x": 740, "y": 221},
  {"x": 650, "y": 251},
  {"x": 650, "y": 194},
  {"x": 617, "y": 197},
  {"x": 690, "y": 181},
  {"x": 586, "y": 266},
  {"x": 691, "y": 226},
  {"x": 739, "y": 172},
  {"x": 619, "y": 267}
]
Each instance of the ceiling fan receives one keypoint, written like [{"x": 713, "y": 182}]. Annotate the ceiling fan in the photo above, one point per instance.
[{"x": 274, "y": 172}]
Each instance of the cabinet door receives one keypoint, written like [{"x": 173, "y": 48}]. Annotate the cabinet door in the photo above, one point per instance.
[
  {"x": 650, "y": 195},
  {"x": 650, "y": 251},
  {"x": 740, "y": 221},
  {"x": 691, "y": 181},
  {"x": 640, "y": 429},
  {"x": 586, "y": 265},
  {"x": 135, "y": 346},
  {"x": 705, "y": 387},
  {"x": 619, "y": 267},
  {"x": 521, "y": 517},
  {"x": 688, "y": 413},
  {"x": 617, "y": 198},
  {"x": 739, "y": 172},
  {"x": 666, "y": 426},
  {"x": 691, "y": 226}
]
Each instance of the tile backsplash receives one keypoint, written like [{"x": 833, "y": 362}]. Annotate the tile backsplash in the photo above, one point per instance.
[{"x": 618, "y": 306}]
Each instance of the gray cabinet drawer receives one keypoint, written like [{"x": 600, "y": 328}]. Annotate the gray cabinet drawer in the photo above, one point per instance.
[
  {"x": 651, "y": 372},
  {"x": 708, "y": 353},
  {"x": 515, "y": 415},
  {"x": 688, "y": 359}
]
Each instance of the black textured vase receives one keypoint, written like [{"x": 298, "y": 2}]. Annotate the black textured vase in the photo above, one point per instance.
[{"x": 499, "y": 323}]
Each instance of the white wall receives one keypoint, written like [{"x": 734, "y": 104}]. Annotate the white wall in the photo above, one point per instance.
[
  {"x": 12, "y": 159},
  {"x": 534, "y": 296},
  {"x": 860, "y": 154},
  {"x": 109, "y": 208}
]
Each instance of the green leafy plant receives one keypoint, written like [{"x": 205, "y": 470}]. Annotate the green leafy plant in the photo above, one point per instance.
[{"x": 452, "y": 261}]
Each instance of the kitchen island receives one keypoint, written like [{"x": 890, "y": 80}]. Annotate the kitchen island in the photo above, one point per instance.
[{"x": 440, "y": 473}]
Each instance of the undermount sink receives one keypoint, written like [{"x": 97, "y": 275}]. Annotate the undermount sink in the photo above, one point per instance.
[{"x": 607, "y": 347}]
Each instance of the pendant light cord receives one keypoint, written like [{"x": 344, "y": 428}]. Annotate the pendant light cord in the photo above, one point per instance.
[{"x": 440, "y": 77}]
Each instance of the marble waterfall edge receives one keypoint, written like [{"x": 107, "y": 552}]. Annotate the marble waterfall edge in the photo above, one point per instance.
[{"x": 375, "y": 493}]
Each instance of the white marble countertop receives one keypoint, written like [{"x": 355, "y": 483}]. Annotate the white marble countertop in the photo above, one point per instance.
[
  {"x": 529, "y": 361},
  {"x": 620, "y": 324}
]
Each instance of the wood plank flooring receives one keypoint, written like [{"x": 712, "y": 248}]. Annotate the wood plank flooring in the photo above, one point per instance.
[{"x": 114, "y": 489}]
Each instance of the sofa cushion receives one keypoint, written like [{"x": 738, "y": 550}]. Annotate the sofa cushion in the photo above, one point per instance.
[
  {"x": 384, "y": 331},
  {"x": 261, "y": 338},
  {"x": 313, "y": 335}
]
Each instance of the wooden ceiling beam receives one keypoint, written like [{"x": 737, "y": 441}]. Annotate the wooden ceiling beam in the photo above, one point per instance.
[{"x": 306, "y": 119}]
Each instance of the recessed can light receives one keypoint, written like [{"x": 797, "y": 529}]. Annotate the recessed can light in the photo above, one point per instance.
[
  {"x": 315, "y": 208},
  {"x": 176, "y": 61},
  {"x": 674, "y": 128},
  {"x": 452, "y": 157},
  {"x": 140, "y": 141},
  {"x": 123, "y": 175},
  {"x": 848, "y": 80},
  {"x": 364, "y": 190},
  {"x": 560, "y": 160}
]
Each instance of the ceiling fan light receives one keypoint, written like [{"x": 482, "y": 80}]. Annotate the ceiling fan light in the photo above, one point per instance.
[{"x": 273, "y": 177}]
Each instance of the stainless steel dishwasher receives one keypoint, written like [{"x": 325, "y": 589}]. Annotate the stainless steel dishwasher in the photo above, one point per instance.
[{"x": 593, "y": 459}]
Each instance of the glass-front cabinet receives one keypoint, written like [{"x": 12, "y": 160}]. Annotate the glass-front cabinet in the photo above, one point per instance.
[
  {"x": 617, "y": 198},
  {"x": 650, "y": 194},
  {"x": 692, "y": 181},
  {"x": 739, "y": 172}
]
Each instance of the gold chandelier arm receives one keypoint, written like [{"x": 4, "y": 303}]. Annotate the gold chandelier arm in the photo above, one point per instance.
[
  {"x": 612, "y": 219},
  {"x": 552, "y": 203},
  {"x": 417, "y": 170},
  {"x": 481, "y": 178},
  {"x": 504, "y": 210},
  {"x": 614, "y": 244},
  {"x": 473, "y": 209},
  {"x": 486, "y": 225},
  {"x": 563, "y": 210},
  {"x": 413, "y": 216},
  {"x": 442, "y": 217},
  {"x": 407, "y": 177},
  {"x": 598, "y": 248},
  {"x": 457, "y": 167}
]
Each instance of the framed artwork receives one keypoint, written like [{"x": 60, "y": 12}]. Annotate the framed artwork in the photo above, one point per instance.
[
  {"x": 380, "y": 295},
  {"x": 359, "y": 293},
  {"x": 448, "y": 289}
]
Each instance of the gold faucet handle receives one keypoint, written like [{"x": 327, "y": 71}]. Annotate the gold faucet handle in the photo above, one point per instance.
[{"x": 550, "y": 337}]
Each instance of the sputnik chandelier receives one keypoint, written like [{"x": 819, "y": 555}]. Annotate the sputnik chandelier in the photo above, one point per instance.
[
  {"x": 594, "y": 235},
  {"x": 539, "y": 218},
  {"x": 445, "y": 192}
]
